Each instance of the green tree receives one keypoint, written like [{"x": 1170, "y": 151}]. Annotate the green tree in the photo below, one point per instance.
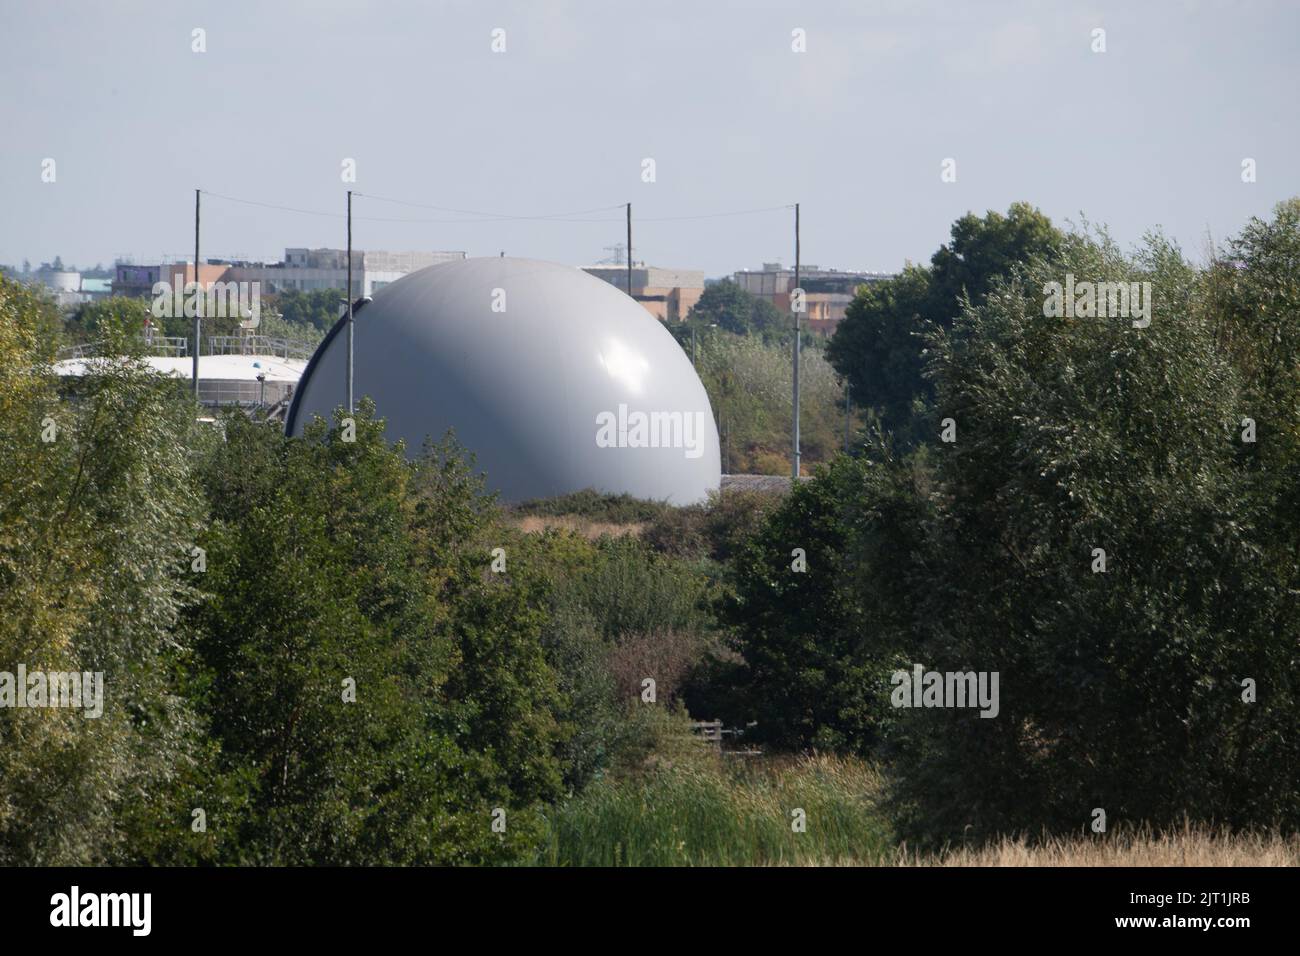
[
  {"x": 336, "y": 569},
  {"x": 814, "y": 650},
  {"x": 1120, "y": 689},
  {"x": 98, "y": 513},
  {"x": 86, "y": 322},
  {"x": 879, "y": 347},
  {"x": 749, "y": 382},
  {"x": 1127, "y": 685},
  {"x": 728, "y": 306},
  {"x": 503, "y": 690},
  {"x": 318, "y": 308}
]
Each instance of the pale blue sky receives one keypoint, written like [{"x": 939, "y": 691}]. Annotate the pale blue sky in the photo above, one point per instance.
[{"x": 1151, "y": 132}]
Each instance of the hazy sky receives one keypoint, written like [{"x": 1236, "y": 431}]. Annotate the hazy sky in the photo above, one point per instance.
[{"x": 1151, "y": 132}]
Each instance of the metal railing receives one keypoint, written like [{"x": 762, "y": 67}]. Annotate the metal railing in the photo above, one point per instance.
[
  {"x": 167, "y": 345},
  {"x": 219, "y": 392},
  {"x": 179, "y": 345},
  {"x": 257, "y": 345},
  {"x": 153, "y": 345},
  {"x": 81, "y": 351}
]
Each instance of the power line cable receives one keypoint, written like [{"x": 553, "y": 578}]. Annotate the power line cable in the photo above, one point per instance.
[
  {"x": 553, "y": 217},
  {"x": 339, "y": 215},
  {"x": 563, "y": 216},
  {"x": 493, "y": 217},
  {"x": 714, "y": 215}
]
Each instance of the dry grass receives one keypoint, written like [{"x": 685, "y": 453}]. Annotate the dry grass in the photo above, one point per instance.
[
  {"x": 591, "y": 530},
  {"x": 1190, "y": 846}
]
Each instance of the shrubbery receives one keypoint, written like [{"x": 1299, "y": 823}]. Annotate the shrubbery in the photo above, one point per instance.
[
  {"x": 303, "y": 639},
  {"x": 315, "y": 642},
  {"x": 750, "y": 385},
  {"x": 98, "y": 512},
  {"x": 1121, "y": 690}
]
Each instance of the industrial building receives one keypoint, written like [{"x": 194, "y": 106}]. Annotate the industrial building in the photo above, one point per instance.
[
  {"x": 303, "y": 270},
  {"x": 827, "y": 292},
  {"x": 251, "y": 371},
  {"x": 667, "y": 294},
  {"x": 68, "y": 288}
]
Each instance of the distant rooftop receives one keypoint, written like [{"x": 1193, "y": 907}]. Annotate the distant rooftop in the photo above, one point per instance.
[
  {"x": 226, "y": 367},
  {"x": 811, "y": 269}
]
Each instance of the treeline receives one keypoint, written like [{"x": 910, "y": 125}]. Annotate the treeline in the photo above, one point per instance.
[
  {"x": 300, "y": 317},
  {"x": 316, "y": 651},
  {"x": 742, "y": 347},
  {"x": 313, "y": 651},
  {"x": 1104, "y": 514}
]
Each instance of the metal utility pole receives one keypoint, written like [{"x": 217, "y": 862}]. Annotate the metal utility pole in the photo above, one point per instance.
[
  {"x": 722, "y": 440},
  {"x": 629, "y": 249},
  {"x": 350, "y": 324},
  {"x": 848, "y": 412},
  {"x": 198, "y": 297},
  {"x": 797, "y": 333}
]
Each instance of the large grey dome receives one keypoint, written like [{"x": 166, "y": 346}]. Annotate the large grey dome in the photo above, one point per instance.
[{"x": 555, "y": 379}]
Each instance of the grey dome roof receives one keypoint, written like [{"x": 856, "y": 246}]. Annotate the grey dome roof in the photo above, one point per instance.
[{"x": 573, "y": 385}]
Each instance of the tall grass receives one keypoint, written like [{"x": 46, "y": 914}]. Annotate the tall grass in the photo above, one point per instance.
[
  {"x": 706, "y": 812},
  {"x": 594, "y": 505},
  {"x": 687, "y": 806},
  {"x": 1192, "y": 845}
]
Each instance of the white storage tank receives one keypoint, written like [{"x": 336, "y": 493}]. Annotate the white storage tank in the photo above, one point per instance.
[{"x": 555, "y": 380}]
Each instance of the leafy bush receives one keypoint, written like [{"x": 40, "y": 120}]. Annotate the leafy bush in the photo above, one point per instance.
[
  {"x": 750, "y": 386},
  {"x": 595, "y": 505},
  {"x": 97, "y": 517},
  {"x": 619, "y": 612},
  {"x": 1124, "y": 689},
  {"x": 333, "y": 563},
  {"x": 629, "y": 589},
  {"x": 815, "y": 653},
  {"x": 880, "y": 345},
  {"x": 715, "y": 529}
]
